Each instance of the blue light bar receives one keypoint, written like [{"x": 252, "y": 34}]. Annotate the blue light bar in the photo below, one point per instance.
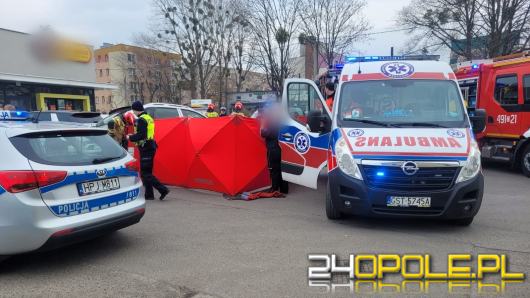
[
  {"x": 474, "y": 66},
  {"x": 354, "y": 59},
  {"x": 380, "y": 174},
  {"x": 14, "y": 115}
]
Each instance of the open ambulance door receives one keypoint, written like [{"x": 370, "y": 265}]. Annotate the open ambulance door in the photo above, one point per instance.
[{"x": 304, "y": 148}]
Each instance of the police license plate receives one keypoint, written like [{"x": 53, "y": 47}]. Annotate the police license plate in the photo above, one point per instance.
[
  {"x": 421, "y": 202},
  {"x": 97, "y": 186}
]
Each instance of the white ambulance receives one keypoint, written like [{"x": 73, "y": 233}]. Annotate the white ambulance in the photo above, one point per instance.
[{"x": 398, "y": 141}]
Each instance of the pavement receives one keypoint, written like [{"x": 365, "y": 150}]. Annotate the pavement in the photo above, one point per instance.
[{"x": 197, "y": 244}]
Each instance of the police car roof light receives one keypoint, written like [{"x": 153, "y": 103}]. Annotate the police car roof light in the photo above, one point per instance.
[{"x": 15, "y": 115}]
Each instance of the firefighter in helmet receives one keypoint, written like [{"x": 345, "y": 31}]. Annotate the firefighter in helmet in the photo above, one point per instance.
[{"x": 211, "y": 113}]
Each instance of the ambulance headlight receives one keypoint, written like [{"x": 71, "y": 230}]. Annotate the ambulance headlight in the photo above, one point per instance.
[
  {"x": 472, "y": 166},
  {"x": 345, "y": 160}
]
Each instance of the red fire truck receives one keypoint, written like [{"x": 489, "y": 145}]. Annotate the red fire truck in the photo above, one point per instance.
[{"x": 501, "y": 87}]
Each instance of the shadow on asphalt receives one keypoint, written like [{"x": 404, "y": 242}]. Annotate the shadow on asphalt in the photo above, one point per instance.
[{"x": 102, "y": 247}]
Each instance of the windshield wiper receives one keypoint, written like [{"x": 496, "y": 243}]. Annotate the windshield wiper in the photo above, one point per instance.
[
  {"x": 103, "y": 160},
  {"x": 379, "y": 123},
  {"x": 419, "y": 124}
]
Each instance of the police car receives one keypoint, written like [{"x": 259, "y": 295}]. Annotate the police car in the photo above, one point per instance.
[
  {"x": 398, "y": 142},
  {"x": 61, "y": 184}
]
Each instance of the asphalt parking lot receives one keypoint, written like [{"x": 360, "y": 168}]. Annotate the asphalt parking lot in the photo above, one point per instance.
[{"x": 197, "y": 244}]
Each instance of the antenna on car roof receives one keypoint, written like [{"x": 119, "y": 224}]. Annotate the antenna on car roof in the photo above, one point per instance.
[{"x": 36, "y": 120}]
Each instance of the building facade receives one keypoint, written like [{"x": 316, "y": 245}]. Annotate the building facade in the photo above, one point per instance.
[
  {"x": 140, "y": 74},
  {"x": 43, "y": 72}
]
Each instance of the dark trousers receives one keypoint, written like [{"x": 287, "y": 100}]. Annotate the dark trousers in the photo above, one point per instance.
[
  {"x": 146, "y": 172},
  {"x": 274, "y": 160}
]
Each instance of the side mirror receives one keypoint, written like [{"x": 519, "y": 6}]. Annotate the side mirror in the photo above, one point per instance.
[
  {"x": 318, "y": 122},
  {"x": 478, "y": 120}
]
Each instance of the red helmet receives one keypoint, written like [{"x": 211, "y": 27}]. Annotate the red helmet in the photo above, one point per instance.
[
  {"x": 211, "y": 106},
  {"x": 129, "y": 118},
  {"x": 238, "y": 106}
]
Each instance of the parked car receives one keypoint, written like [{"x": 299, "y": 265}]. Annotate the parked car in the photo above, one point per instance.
[
  {"x": 68, "y": 116},
  {"x": 63, "y": 184},
  {"x": 157, "y": 111}
]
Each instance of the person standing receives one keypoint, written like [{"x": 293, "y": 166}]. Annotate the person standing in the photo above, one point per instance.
[
  {"x": 330, "y": 95},
  {"x": 117, "y": 130},
  {"x": 271, "y": 122},
  {"x": 211, "y": 113},
  {"x": 144, "y": 138},
  {"x": 223, "y": 112}
]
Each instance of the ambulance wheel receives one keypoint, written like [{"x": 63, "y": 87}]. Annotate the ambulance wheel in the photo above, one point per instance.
[
  {"x": 331, "y": 211},
  {"x": 463, "y": 221},
  {"x": 525, "y": 161}
]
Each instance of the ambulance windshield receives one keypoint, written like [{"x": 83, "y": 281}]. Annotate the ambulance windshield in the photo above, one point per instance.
[{"x": 429, "y": 103}]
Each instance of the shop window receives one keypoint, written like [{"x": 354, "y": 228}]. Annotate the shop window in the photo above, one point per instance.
[
  {"x": 526, "y": 89},
  {"x": 506, "y": 90}
]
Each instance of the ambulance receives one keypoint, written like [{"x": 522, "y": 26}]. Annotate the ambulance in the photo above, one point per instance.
[{"x": 398, "y": 141}]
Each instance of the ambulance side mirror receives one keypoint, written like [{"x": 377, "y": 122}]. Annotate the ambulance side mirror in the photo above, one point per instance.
[
  {"x": 318, "y": 122},
  {"x": 478, "y": 120}
]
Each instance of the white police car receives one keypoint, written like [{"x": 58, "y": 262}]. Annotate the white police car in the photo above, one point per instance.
[{"x": 62, "y": 184}]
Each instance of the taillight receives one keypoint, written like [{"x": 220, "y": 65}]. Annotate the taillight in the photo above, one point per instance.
[
  {"x": 19, "y": 181},
  {"x": 133, "y": 165}
]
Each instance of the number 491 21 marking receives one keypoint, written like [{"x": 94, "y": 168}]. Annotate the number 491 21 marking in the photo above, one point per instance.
[{"x": 507, "y": 119}]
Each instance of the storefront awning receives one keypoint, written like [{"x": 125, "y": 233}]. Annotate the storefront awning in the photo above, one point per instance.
[{"x": 53, "y": 81}]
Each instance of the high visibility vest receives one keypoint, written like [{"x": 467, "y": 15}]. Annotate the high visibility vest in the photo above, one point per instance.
[
  {"x": 212, "y": 114},
  {"x": 150, "y": 129}
]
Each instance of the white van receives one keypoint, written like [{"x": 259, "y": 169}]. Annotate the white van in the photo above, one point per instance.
[{"x": 398, "y": 141}]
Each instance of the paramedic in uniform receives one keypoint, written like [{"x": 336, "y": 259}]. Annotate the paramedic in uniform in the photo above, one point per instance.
[
  {"x": 144, "y": 139},
  {"x": 330, "y": 95}
]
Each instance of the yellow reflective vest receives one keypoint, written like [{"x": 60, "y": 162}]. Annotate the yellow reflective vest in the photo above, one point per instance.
[
  {"x": 212, "y": 114},
  {"x": 150, "y": 129}
]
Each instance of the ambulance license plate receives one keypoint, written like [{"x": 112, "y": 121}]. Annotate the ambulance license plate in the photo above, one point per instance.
[
  {"x": 421, "y": 202},
  {"x": 97, "y": 186}
]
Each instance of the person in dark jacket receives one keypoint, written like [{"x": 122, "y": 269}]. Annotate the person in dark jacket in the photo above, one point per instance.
[
  {"x": 144, "y": 138},
  {"x": 270, "y": 125}
]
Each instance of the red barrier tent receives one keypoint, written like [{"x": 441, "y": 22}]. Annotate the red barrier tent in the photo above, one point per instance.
[{"x": 225, "y": 154}]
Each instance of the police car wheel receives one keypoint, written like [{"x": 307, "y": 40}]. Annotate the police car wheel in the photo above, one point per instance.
[
  {"x": 463, "y": 221},
  {"x": 331, "y": 211},
  {"x": 525, "y": 161}
]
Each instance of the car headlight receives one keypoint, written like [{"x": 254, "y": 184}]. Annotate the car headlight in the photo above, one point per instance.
[
  {"x": 345, "y": 160},
  {"x": 472, "y": 166}
]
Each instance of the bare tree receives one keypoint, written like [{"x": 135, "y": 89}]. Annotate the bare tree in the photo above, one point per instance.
[
  {"x": 332, "y": 27},
  {"x": 274, "y": 24},
  {"x": 190, "y": 26},
  {"x": 469, "y": 28},
  {"x": 243, "y": 55},
  {"x": 506, "y": 25}
]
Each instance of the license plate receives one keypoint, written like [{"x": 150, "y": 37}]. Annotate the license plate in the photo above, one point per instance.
[
  {"x": 97, "y": 186},
  {"x": 421, "y": 202}
]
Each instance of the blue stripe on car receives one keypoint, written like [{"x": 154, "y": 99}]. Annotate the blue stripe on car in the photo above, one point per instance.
[
  {"x": 2, "y": 190},
  {"x": 88, "y": 176},
  {"x": 410, "y": 157},
  {"x": 319, "y": 142},
  {"x": 88, "y": 206}
]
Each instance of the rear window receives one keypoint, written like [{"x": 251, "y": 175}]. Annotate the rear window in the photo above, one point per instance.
[
  {"x": 78, "y": 118},
  {"x": 69, "y": 148}
]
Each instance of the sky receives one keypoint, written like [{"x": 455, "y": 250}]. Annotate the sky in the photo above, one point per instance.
[{"x": 116, "y": 21}]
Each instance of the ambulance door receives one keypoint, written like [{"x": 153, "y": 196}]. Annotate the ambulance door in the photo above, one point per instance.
[{"x": 304, "y": 152}]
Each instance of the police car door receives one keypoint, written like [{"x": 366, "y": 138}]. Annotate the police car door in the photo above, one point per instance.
[{"x": 304, "y": 152}]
